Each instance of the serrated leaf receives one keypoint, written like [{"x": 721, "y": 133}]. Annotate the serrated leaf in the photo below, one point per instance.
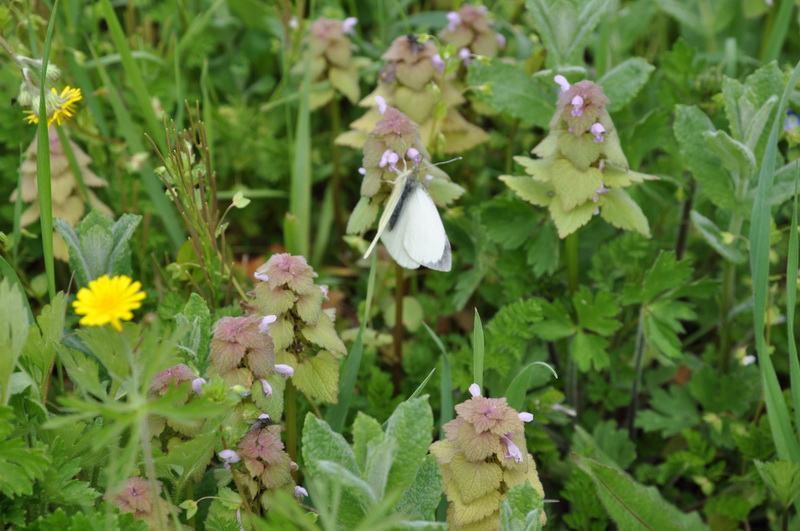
[
  {"x": 671, "y": 413},
  {"x": 735, "y": 156},
  {"x": 318, "y": 376},
  {"x": 534, "y": 192},
  {"x": 323, "y": 334},
  {"x": 597, "y": 314},
  {"x": 474, "y": 479},
  {"x": 574, "y": 187},
  {"x": 623, "y": 212},
  {"x": 631, "y": 505},
  {"x": 346, "y": 82},
  {"x": 444, "y": 192},
  {"x": 783, "y": 480},
  {"x": 513, "y": 92},
  {"x": 363, "y": 216},
  {"x": 557, "y": 323},
  {"x": 509, "y": 223},
  {"x": 623, "y": 82},
  {"x": 589, "y": 350},
  {"x": 196, "y": 317},
  {"x": 666, "y": 274}
]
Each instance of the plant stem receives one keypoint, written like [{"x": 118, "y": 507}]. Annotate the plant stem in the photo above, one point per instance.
[
  {"x": 398, "y": 326},
  {"x": 290, "y": 412},
  {"x": 337, "y": 177},
  {"x": 571, "y": 257},
  {"x": 683, "y": 231},
  {"x": 728, "y": 300},
  {"x": 638, "y": 368}
]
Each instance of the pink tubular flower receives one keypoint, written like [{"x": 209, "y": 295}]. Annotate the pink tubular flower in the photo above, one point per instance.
[
  {"x": 454, "y": 20},
  {"x": 562, "y": 82},
  {"x": 513, "y": 450},
  {"x": 525, "y": 416},
  {"x": 286, "y": 370},
  {"x": 349, "y": 25},
  {"x": 381, "y": 104},
  {"x": 362, "y": 170},
  {"x": 260, "y": 275},
  {"x": 300, "y": 493},
  {"x": 597, "y": 130},
  {"x": 577, "y": 106},
  {"x": 501, "y": 40},
  {"x": 413, "y": 154},
  {"x": 197, "y": 385},
  {"x": 228, "y": 457},
  {"x": 266, "y": 387},
  {"x": 465, "y": 55},
  {"x": 263, "y": 324},
  {"x": 475, "y": 390},
  {"x": 600, "y": 191},
  {"x": 438, "y": 63},
  {"x": 389, "y": 158}
]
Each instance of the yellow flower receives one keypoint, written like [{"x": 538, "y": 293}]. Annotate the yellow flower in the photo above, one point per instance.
[
  {"x": 109, "y": 300},
  {"x": 59, "y": 106}
]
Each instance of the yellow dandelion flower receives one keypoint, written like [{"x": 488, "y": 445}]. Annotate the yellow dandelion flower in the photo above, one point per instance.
[
  {"x": 109, "y": 300},
  {"x": 59, "y": 106}
]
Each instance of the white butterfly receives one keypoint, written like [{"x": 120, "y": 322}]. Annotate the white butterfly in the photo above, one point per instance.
[{"x": 411, "y": 228}]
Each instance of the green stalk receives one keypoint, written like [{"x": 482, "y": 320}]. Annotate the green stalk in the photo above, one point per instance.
[
  {"x": 398, "y": 327},
  {"x": 300, "y": 189},
  {"x": 43, "y": 165},
  {"x": 639, "y": 369},
  {"x": 786, "y": 442},
  {"x": 573, "y": 280},
  {"x": 779, "y": 27}
]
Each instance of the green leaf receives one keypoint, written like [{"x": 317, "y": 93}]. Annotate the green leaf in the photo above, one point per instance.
[
  {"x": 564, "y": 29},
  {"x": 196, "y": 318},
  {"x": 623, "y": 212},
  {"x": 666, "y": 274},
  {"x": 557, "y": 323},
  {"x": 19, "y": 466},
  {"x": 569, "y": 222},
  {"x": 324, "y": 335},
  {"x": 534, "y": 192},
  {"x": 783, "y": 480},
  {"x": 318, "y": 376},
  {"x": 513, "y": 92},
  {"x": 363, "y": 216},
  {"x": 366, "y": 431},
  {"x": 671, "y": 413},
  {"x": 689, "y": 128},
  {"x": 719, "y": 393},
  {"x": 477, "y": 350},
  {"x": 357, "y": 497},
  {"x": 420, "y": 499},
  {"x": 589, "y": 350},
  {"x": 598, "y": 314},
  {"x": 321, "y": 443},
  {"x": 714, "y": 237},
  {"x": 735, "y": 156},
  {"x": 623, "y": 82},
  {"x": 522, "y": 508},
  {"x": 40, "y": 348},
  {"x": 412, "y": 313},
  {"x": 518, "y": 388},
  {"x": 380, "y": 458},
  {"x": 411, "y": 426},
  {"x": 634, "y": 506},
  {"x": 509, "y": 223},
  {"x": 13, "y": 333}
]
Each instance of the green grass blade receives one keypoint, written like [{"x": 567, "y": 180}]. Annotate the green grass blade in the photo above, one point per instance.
[
  {"x": 791, "y": 298},
  {"x": 133, "y": 140},
  {"x": 133, "y": 74},
  {"x": 445, "y": 383},
  {"x": 780, "y": 27},
  {"x": 338, "y": 412},
  {"x": 477, "y": 351},
  {"x": 300, "y": 188},
  {"x": 43, "y": 165},
  {"x": 17, "y": 230},
  {"x": 785, "y": 441},
  {"x": 324, "y": 226},
  {"x": 518, "y": 388}
]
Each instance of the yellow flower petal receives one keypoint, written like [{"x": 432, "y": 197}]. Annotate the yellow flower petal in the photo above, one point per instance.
[{"x": 108, "y": 300}]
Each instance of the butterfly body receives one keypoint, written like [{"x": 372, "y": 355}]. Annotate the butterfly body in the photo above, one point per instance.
[{"x": 411, "y": 228}]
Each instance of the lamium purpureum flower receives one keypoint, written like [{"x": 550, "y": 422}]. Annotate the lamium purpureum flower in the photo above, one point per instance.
[
  {"x": 581, "y": 170},
  {"x": 414, "y": 81},
  {"x": 137, "y": 497},
  {"x": 485, "y": 440},
  {"x": 109, "y": 301},
  {"x": 305, "y": 341},
  {"x": 264, "y": 457},
  {"x": 241, "y": 352},
  {"x": 471, "y": 28}
]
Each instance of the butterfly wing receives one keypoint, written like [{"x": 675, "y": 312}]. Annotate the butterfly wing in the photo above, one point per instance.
[
  {"x": 388, "y": 210},
  {"x": 425, "y": 239}
]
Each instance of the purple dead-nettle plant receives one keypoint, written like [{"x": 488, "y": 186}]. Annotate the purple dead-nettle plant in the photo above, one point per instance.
[
  {"x": 330, "y": 58},
  {"x": 486, "y": 440},
  {"x": 137, "y": 497},
  {"x": 172, "y": 429},
  {"x": 415, "y": 81},
  {"x": 471, "y": 29},
  {"x": 287, "y": 302},
  {"x": 581, "y": 171}
]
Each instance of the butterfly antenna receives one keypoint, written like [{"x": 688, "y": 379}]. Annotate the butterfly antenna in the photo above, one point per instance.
[{"x": 446, "y": 161}]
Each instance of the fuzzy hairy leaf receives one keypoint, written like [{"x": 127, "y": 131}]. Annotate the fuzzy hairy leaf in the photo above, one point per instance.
[
  {"x": 623, "y": 82},
  {"x": 513, "y": 92},
  {"x": 411, "y": 425},
  {"x": 420, "y": 499}
]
